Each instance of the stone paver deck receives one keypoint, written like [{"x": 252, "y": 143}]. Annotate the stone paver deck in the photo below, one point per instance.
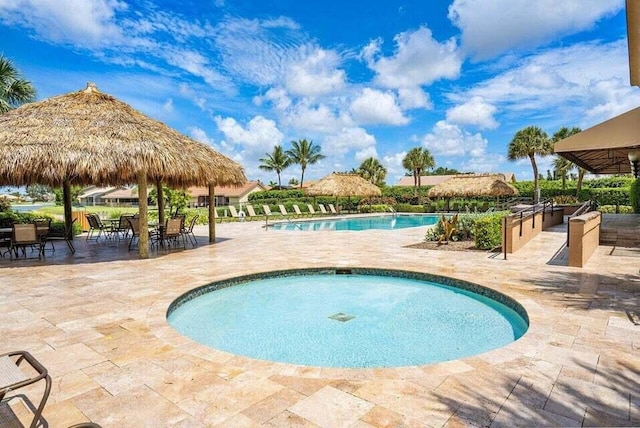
[{"x": 96, "y": 320}]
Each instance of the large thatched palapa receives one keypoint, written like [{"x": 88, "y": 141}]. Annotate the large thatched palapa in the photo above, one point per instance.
[
  {"x": 464, "y": 186},
  {"x": 343, "y": 185},
  {"x": 88, "y": 137}
]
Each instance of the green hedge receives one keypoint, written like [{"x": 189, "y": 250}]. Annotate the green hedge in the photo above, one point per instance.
[
  {"x": 615, "y": 209},
  {"x": 634, "y": 196},
  {"x": 408, "y": 208},
  {"x": 380, "y": 208},
  {"x": 487, "y": 231}
]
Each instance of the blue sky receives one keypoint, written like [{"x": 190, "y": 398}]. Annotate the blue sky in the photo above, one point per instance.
[{"x": 359, "y": 78}]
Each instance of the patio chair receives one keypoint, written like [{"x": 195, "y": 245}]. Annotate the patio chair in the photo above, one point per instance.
[
  {"x": 188, "y": 231},
  {"x": 95, "y": 224},
  {"x": 333, "y": 209},
  {"x": 312, "y": 210},
  {"x": 52, "y": 237},
  {"x": 121, "y": 230},
  {"x": 172, "y": 232},
  {"x": 42, "y": 227},
  {"x": 323, "y": 210},
  {"x": 23, "y": 236},
  {"x": 284, "y": 212},
  {"x": 297, "y": 211},
  {"x": 134, "y": 226},
  {"x": 252, "y": 213},
  {"x": 267, "y": 210},
  {"x": 235, "y": 215},
  {"x": 12, "y": 377}
]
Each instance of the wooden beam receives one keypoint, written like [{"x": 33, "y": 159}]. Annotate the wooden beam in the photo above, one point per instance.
[
  {"x": 160, "y": 194},
  {"x": 66, "y": 199},
  {"x": 143, "y": 241},
  {"x": 212, "y": 213}
]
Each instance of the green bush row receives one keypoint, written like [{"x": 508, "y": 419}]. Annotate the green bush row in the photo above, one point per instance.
[{"x": 615, "y": 209}]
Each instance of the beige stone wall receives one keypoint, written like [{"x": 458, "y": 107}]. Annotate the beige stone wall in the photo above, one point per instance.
[
  {"x": 518, "y": 236},
  {"x": 584, "y": 237}
]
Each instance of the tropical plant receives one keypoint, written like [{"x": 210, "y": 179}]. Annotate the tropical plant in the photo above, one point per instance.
[
  {"x": 373, "y": 171},
  {"x": 293, "y": 182},
  {"x": 14, "y": 89},
  {"x": 443, "y": 170},
  {"x": 527, "y": 143},
  {"x": 449, "y": 226},
  {"x": 561, "y": 134},
  {"x": 276, "y": 161},
  {"x": 417, "y": 160},
  {"x": 304, "y": 153}
]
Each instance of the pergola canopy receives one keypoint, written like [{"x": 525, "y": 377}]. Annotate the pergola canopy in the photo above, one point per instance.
[
  {"x": 604, "y": 148},
  {"x": 464, "y": 186},
  {"x": 343, "y": 185}
]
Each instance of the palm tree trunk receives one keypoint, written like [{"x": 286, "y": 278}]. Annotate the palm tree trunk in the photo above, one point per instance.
[
  {"x": 415, "y": 183},
  {"x": 302, "y": 178},
  {"x": 535, "y": 178},
  {"x": 581, "y": 172},
  {"x": 279, "y": 182}
]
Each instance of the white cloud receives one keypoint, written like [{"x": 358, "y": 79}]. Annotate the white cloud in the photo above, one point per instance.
[
  {"x": 419, "y": 60},
  {"x": 348, "y": 139},
  {"x": 559, "y": 85},
  {"x": 374, "y": 107},
  {"x": 366, "y": 153},
  {"x": 489, "y": 162},
  {"x": 80, "y": 22},
  {"x": 188, "y": 92},
  {"x": 277, "y": 96},
  {"x": 411, "y": 98},
  {"x": 474, "y": 112},
  {"x": 393, "y": 163},
  {"x": 317, "y": 118},
  {"x": 259, "y": 136},
  {"x": 491, "y": 28},
  {"x": 315, "y": 75},
  {"x": 449, "y": 140}
]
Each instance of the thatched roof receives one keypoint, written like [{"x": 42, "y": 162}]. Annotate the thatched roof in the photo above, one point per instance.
[
  {"x": 337, "y": 184},
  {"x": 92, "y": 138},
  {"x": 473, "y": 185}
]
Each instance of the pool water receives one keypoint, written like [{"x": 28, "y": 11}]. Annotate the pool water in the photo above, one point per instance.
[
  {"x": 386, "y": 222},
  {"x": 334, "y": 320}
]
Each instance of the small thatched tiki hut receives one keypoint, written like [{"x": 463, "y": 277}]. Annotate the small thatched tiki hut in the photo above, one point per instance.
[
  {"x": 88, "y": 137},
  {"x": 343, "y": 185},
  {"x": 465, "y": 186}
]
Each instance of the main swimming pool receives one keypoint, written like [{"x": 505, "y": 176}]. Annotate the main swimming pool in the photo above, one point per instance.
[{"x": 386, "y": 222}]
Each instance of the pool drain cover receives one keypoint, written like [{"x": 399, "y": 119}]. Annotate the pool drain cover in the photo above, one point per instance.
[{"x": 341, "y": 317}]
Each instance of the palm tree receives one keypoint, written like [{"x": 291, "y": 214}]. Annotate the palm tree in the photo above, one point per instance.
[
  {"x": 416, "y": 161},
  {"x": 562, "y": 167},
  {"x": 372, "y": 170},
  {"x": 275, "y": 161},
  {"x": 527, "y": 143},
  {"x": 304, "y": 153},
  {"x": 14, "y": 89},
  {"x": 561, "y": 134}
]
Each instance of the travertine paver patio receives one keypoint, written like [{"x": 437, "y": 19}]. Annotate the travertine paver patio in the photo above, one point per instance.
[{"x": 97, "y": 321}]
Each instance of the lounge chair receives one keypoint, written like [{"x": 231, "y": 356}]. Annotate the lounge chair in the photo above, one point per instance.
[
  {"x": 284, "y": 212},
  {"x": 52, "y": 237},
  {"x": 267, "y": 210},
  {"x": 323, "y": 210},
  {"x": 216, "y": 216},
  {"x": 23, "y": 236},
  {"x": 235, "y": 215},
  {"x": 252, "y": 213},
  {"x": 12, "y": 377},
  {"x": 333, "y": 209},
  {"x": 312, "y": 211},
  {"x": 299, "y": 213}
]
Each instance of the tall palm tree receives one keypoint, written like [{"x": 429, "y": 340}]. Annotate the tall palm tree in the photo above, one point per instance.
[
  {"x": 14, "y": 89},
  {"x": 304, "y": 153},
  {"x": 373, "y": 171},
  {"x": 527, "y": 143},
  {"x": 561, "y": 134},
  {"x": 417, "y": 160},
  {"x": 276, "y": 161}
]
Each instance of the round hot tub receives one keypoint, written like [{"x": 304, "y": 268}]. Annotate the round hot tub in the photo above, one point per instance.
[{"x": 349, "y": 317}]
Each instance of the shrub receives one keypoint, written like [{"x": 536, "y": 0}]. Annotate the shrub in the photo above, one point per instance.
[
  {"x": 565, "y": 199},
  {"x": 634, "y": 196},
  {"x": 5, "y": 205},
  {"x": 464, "y": 228},
  {"x": 487, "y": 231},
  {"x": 408, "y": 208},
  {"x": 615, "y": 209},
  {"x": 57, "y": 228},
  {"x": 380, "y": 208}
]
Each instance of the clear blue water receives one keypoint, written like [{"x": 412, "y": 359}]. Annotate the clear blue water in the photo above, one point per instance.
[
  {"x": 386, "y": 222},
  {"x": 396, "y": 321}
]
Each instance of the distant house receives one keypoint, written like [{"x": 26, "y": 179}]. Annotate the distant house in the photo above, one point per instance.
[
  {"x": 225, "y": 195},
  {"x": 432, "y": 180},
  {"x": 93, "y": 195}
]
